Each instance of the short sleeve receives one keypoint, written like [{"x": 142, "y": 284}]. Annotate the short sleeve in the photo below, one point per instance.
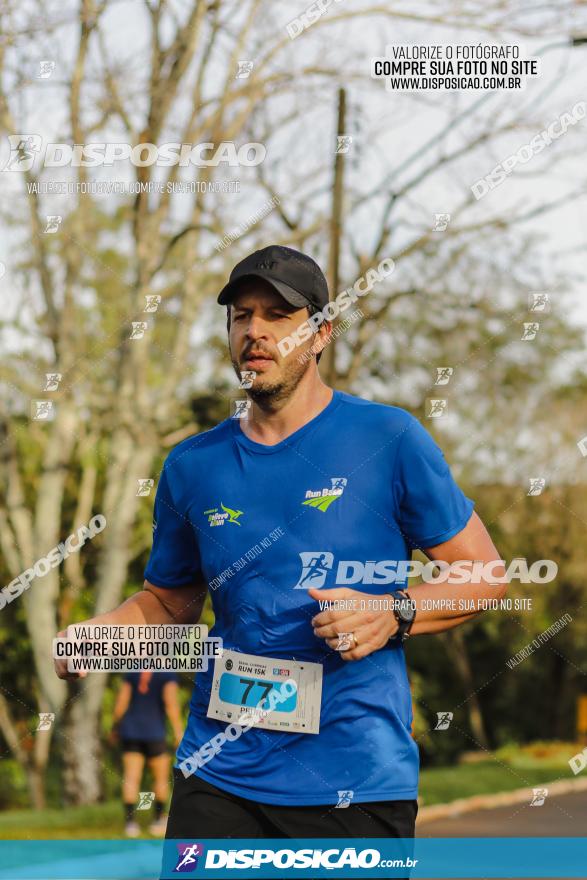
[
  {"x": 175, "y": 559},
  {"x": 430, "y": 506}
]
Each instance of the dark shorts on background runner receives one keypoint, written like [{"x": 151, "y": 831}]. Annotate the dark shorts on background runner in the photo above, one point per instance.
[
  {"x": 150, "y": 748},
  {"x": 199, "y": 811}
]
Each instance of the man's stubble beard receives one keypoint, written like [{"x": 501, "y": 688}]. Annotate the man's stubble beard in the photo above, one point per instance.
[{"x": 272, "y": 396}]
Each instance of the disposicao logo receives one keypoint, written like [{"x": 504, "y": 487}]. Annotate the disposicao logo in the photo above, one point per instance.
[
  {"x": 187, "y": 857},
  {"x": 315, "y": 567},
  {"x": 317, "y": 564}
]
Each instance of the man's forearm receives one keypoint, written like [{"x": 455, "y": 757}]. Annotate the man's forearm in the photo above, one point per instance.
[
  {"x": 140, "y": 608},
  {"x": 151, "y": 605},
  {"x": 443, "y": 606},
  {"x": 440, "y": 624},
  {"x": 145, "y": 607}
]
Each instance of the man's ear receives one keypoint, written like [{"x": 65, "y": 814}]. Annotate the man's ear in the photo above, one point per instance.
[
  {"x": 322, "y": 337},
  {"x": 228, "y": 318}
]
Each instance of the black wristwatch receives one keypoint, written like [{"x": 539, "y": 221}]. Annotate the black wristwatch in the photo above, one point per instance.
[{"x": 405, "y": 613}]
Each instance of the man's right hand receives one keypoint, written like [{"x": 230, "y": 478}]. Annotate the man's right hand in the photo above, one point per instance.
[
  {"x": 60, "y": 664},
  {"x": 151, "y": 605}
]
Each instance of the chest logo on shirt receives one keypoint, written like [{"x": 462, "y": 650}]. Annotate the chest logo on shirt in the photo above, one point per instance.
[
  {"x": 323, "y": 498},
  {"x": 217, "y": 517}
]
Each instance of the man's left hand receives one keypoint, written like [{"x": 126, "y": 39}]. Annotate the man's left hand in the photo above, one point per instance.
[{"x": 368, "y": 618}]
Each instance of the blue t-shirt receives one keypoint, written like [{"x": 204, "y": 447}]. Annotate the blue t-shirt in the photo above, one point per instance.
[
  {"x": 145, "y": 717},
  {"x": 360, "y": 482}
]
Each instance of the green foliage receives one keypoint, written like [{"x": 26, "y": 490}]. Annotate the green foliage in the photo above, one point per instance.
[
  {"x": 509, "y": 768},
  {"x": 440, "y": 785},
  {"x": 551, "y": 753},
  {"x": 102, "y": 821},
  {"x": 540, "y": 694},
  {"x": 13, "y": 785}
]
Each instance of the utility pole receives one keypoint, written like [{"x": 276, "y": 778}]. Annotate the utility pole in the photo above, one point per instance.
[{"x": 327, "y": 360}]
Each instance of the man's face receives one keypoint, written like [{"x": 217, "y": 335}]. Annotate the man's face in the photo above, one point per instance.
[{"x": 259, "y": 319}]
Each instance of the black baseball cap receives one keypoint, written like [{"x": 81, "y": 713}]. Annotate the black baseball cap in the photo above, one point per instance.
[{"x": 295, "y": 276}]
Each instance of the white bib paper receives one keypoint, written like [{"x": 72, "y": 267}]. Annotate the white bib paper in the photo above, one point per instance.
[{"x": 266, "y": 692}]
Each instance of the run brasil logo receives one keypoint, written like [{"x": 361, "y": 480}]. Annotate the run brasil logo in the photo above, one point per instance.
[
  {"x": 323, "y": 498},
  {"x": 228, "y": 515}
]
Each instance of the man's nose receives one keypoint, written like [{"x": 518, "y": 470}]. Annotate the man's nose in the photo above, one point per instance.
[{"x": 257, "y": 328}]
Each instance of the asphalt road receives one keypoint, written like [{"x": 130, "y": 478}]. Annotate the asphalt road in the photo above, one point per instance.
[{"x": 562, "y": 816}]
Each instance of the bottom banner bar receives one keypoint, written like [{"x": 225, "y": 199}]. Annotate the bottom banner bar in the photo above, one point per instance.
[{"x": 507, "y": 857}]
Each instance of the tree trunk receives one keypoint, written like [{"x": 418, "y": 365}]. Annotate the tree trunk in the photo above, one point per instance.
[
  {"x": 457, "y": 649},
  {"x": 82, "y": 745},
  {"x": 36, "y": 784},
  {"x": 82, "y": 749},
  {"x": 40, "y": 600},
  {"x": 34, "y": 763},
  {"x": 559, "y": 719},
  {"x": 81, "y": 722}
]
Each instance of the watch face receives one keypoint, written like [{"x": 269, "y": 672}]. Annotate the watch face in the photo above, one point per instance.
[
  {"x": 406, "y": 613},
  {"x": 405, "y": 608}
]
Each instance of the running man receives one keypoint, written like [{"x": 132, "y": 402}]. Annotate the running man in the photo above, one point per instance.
[
  {"x": 143, "y": 701},
  {"x": 348, "y": 727}
]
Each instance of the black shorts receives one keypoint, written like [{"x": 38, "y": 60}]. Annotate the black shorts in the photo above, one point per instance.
[
  {"x": 150, "y": 748},
  {"x": 200, "y": 810}
]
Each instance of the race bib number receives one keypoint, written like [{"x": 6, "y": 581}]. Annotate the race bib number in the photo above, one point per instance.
[{"x": 266, "y": 692}]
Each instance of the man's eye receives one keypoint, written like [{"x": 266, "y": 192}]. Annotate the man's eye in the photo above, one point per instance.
[{"x": 240, "y": 316}]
